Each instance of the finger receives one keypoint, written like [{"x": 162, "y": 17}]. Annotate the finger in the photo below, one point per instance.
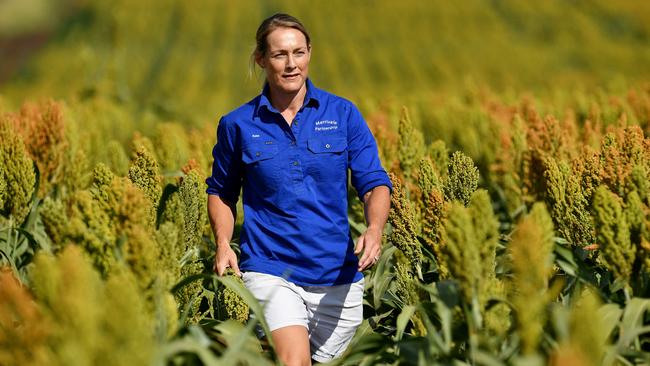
[
  {"x": 373, "y": 260},
  {"x": 369, "y": 255},
  {"x": 377, "y": 253},
  {"x": 215, "y": 265},
  {"x": 221, "y": 266},
  {"x": 365, "y": 260},
  {"x": 371, "y": 247},
  {"x": 360, "y": 244},
  {"x": 363, "y": 266},
  {"x": 366, "y": 264},
  {"x": 235, "y": 266},
  {"x": 375, "y": 257}
]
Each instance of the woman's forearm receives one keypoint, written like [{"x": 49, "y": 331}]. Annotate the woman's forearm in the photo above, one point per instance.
[
  {"x": 376, "y": 207},
  {"x": 222, "y": 218}
]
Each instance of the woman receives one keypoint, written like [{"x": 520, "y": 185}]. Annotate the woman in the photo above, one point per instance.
[{"x": 289, "y": 150}]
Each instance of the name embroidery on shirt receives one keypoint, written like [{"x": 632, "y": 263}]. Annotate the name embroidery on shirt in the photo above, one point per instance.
[
  {"x": 255, "y": 135},
  {"x": 326, "y": 125}
]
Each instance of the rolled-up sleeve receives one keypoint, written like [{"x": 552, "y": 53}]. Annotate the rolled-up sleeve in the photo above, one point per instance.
[
  {"x": 226, "y": 178},
  {"x": 363, "y": 157}
]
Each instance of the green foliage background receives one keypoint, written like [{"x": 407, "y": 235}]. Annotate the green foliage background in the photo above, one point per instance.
[
  {"x": 190, "y": 60},
  {"x": 515, "y": 133}
]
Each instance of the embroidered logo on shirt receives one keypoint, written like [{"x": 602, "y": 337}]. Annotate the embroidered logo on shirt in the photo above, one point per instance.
[
  {"x": 255, "y": 135},
  {"x": 326, "y": 125}
]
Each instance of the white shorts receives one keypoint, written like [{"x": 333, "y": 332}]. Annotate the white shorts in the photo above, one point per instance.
[{"x": 331, "y": 314}]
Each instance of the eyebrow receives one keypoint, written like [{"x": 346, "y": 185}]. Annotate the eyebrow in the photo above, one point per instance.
[{"x": 294, "y": 50}]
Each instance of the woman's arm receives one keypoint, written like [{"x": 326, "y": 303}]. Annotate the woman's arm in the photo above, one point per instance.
[
  {"x": 222, "y": 219},
  {"x": 376, "y": 207},
  {"x": 223, "y": 190}
]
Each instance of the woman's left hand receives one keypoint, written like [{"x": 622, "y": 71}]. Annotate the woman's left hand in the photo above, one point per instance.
[{"x": 370, "y": 243}]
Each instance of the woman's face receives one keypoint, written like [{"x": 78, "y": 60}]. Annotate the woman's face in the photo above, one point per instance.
[{"x": 286, "y": 61}]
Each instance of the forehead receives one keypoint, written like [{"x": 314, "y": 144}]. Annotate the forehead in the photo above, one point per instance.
[{"x": 285, "y": 38}]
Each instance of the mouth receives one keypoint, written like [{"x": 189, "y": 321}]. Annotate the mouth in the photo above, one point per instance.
[{"x": 291, "y": 76}]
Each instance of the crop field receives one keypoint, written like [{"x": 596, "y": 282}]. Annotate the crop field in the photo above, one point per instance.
[{"x": 516, "y": 135}]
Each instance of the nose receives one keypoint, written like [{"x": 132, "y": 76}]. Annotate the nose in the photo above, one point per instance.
[{"x": 291, "y": 62}]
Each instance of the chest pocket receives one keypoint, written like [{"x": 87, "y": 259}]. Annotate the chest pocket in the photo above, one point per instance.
[
  {"x": 261, "y": 167},
  {"x": 327, "y": 145},
  {"x": 328, "y": 158}
]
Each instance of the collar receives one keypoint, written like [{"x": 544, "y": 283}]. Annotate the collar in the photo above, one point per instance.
[{"x": 311, "y": 98}]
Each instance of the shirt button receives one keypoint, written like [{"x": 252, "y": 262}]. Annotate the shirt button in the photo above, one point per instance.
[
  {"x": 292, "y": 143},
  {"x": 327, "y": 146},
  {"x": 295, "y": 163},
  {"x": 257, "y": 154}
]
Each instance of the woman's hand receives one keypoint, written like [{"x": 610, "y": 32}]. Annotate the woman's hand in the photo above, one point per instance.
[
  {"x": 370, "y": 243},
  {"x": 222, "y": 219},
  {"x": 225, "y": 257},
  {"x": 376, "y": 207}
]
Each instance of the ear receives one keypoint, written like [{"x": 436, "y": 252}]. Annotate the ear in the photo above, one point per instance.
[{"x": 259, "y": 60}]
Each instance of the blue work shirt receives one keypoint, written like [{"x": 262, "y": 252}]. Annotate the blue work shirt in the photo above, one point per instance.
[{"x": 294, "y": 179}]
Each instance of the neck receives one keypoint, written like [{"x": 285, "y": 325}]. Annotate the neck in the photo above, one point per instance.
[{"x": 283, "y": 101}]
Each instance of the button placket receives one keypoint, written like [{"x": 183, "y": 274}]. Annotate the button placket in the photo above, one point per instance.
[
  {"x": 296, "y": 172},
  {"x": 296, "y": 166},
  {"x": 295, "y": 158}
]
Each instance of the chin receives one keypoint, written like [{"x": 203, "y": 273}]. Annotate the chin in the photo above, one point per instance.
[
  {"x": 292, "y": 87},
  {"x": 289, "y": 85}
]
